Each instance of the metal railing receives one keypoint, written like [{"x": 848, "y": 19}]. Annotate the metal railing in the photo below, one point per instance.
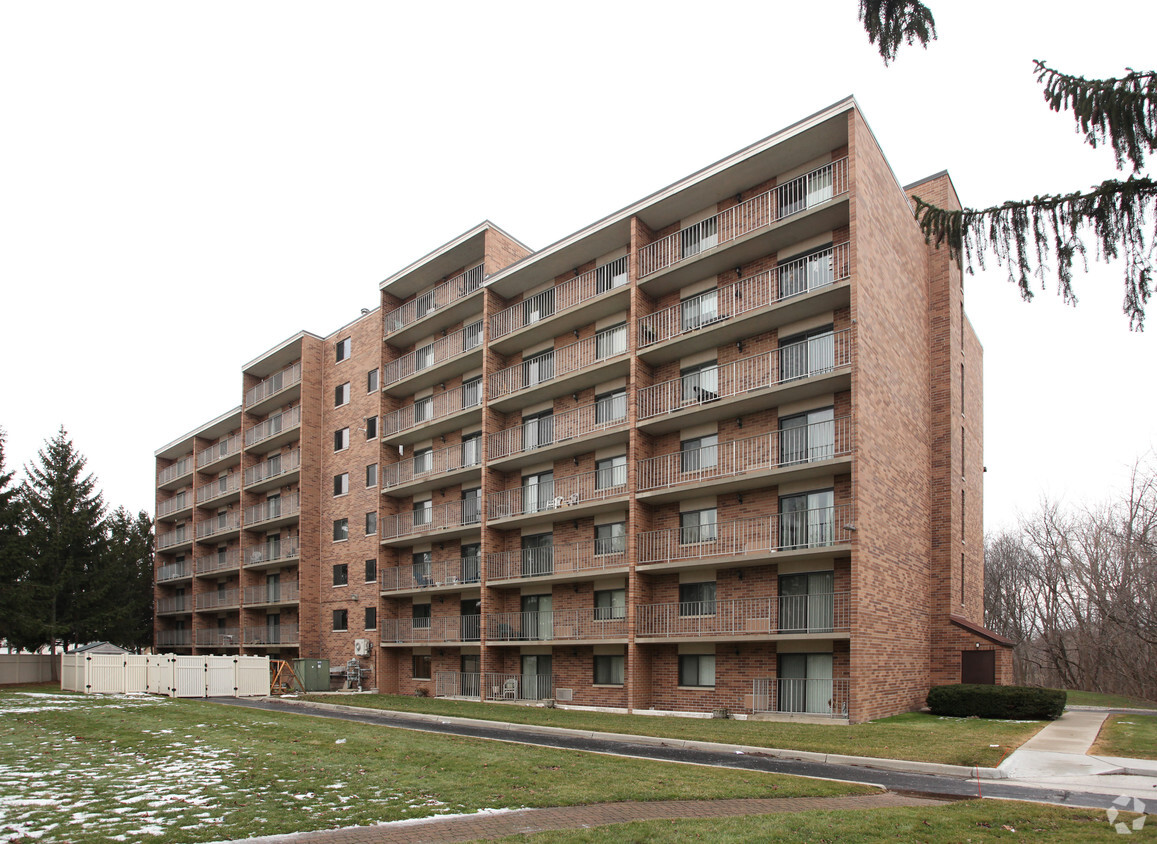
[
  {"x": 494, "y": 686},
  {"x": 459, "y": 628},
  {"x": 221, "y": 523},
  {"x": 427, "y": 575},
  {"x": 274, "y": 384},
  {"x": 219, "y": 599},
  {"x": 561, "y": 297},
  {"x": 425, "y": 520},
  {"x": 272, "y": 593},
  {"x": 792, "y": 197},
  {"x": 231, "y": 559},
  {"x": 458, "y": 287},
  {"x": 802, "y": 696},
  {"x": 271, "y": 634},
  {"x": 273, "y": 426},
  {"x": 438, "y": 462},
  {"x": 591, "y": 555},
  {"x": 175, "y": 603},
  {"x": 178, "y": 502},
  {"x": 787, "y": 447},
  {"x": 548, "y": 430},
  {"x": 283, "y": 464},
  {"x": 435, "y": 407},
  {"x": 224, "y": 447},
  {"x": 219, "y": 637},
  {"x": 817, "y": 528},
  {"x": 820, "y": 613},
  {"x": 551, "y": 625},
  {"x": 443, "y": 349},
  {"x": 272, "y": 552},
  {"x": 814, "y": 356},
  {"x": 174, "y": 638},
  {"x": 273, "y": 508},
  {"x": 178, "y": 470},
  {"x": 221, "y": 486},
  {"x": 174, "y": 571},
  {"x": 540, "y": 368},
  {"x": 811, "y": 272},
  {"x": 177, "y": 536},
  {"x": 558, "y": 493}
]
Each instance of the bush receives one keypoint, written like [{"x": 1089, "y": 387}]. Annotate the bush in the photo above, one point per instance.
[{"x": 1018, "y": 703}]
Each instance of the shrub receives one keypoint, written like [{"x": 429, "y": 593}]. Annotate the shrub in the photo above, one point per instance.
[{"x": 1019, "y": 703}]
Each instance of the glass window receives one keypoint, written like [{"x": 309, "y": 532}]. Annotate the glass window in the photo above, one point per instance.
[
  {"x": 610, "y": 603},
  {"x": 341, "y": 394},
  {"x": 699, "y": 236},
  {"x": 372, "y": 381},
  {"x": 421, "y": 616},
  {"x": 424, "y": 357},
  {"x": 371, "y": 571},
  {"x": 608, "y": 670},
  {"x": 611, "y": 407},
  {"x": 423, "y": 512},
  {"x": 537, "y": 554},
  {"x": 699, "y": 310},
  {"x": 805, "y": 355},
  {"x": 696, "y": 669},
  {"x": 472, "y": 392},
  {"x": 806, "y": 520},
  {"x": 806, "y": 437},
  {"x": 472, "y": 449},
  {"x": 422, "y": 565},
  {"x": 341, "y": 530},
  {"x": 371, "y": 523},
  {"x": 471, "y": 506},
  {"x": 472, "y": 336},
  {"x": 371, "y": 427},
  {"x": 699, "y": 453},
  {"x": 537, "y": 429},
  {"x": 343, "y": 349},
  {"x": 420, "y": 667},
  {"x": 423, "y": 461},
  {"x": 538, "y": 368},
  {"x": 611, "y": 341},
  {"x": 539, "y": 306},
  {"x": 423, "y": 409},
  {"x": 471, "y": 562},
  {"x": 800, "y": 274},
  {"x": 611, "y": 472},
  {"x": 341, "y": 574},
  {"x": 697, "y": 598},
  {"x": 372, "y": 475},
  {"x": 371, "y": 622},
  {"x": 341, "y": 439},
  {"x": 697, "y": 526},
  {"x": 700, "y": 383},
  {"x": 538, "y": 492},
  {"x": 611, "y": 275},
  {"x": 806, "y": 602},
  {"x": 341, "y": 483},
  {"x": 340, "y": 620},
  {"x": 611, "y": 538}
]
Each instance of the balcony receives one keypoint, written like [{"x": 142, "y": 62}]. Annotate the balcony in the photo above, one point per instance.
[
  {"x": 219, "y": 526},
  {"x": 274, "y": 432},
  {"x": 446, "y": 357},
  {"x": 176, "y": 475},
  {"x": 273, "y": 512},
  {"x": 577, "y": 561},
  {"x": 276, "y": 470},
  {"x": 273, "y": 554},
  {"x": 181, "y": 536},
  {"x": 437, "y": 576},
  {"x": 561, "y": 498},
  {"x": 278, "y": 389},
  {"x": 742, "y": 618},
  {"x": 445, "y": 411},
  {"x": 180, "y": 502},
  {"x": 594, "y": 624},
  {"x": 219, "y": 637},
  {"x": 768, "y": 222},
  {"x": 424, "y": 631},
  {"x": 220, "y": 455},
  {"x": 272, "y": 594},
  {"x": 174, "y": 638},
  {"x": 446, "y": 304},
  {"x": 493, "y": 686},
  {"x": 810, "y": 367},
  {"x": 747, "y": 307},
  {"x": 220, "y": 491},
  {"x": 220, "y": 599},
  {"x": 454, "y": 518},
  {"x": 436, "y": 468},
  {"x": 814, "y": 450},
  {"x": 545, "y": 375},
  {"x": 579, "y": 301},
  {"x": 583, "y": 429},
  {"x": 174, "y": 571},
  {"x": 174, "y": 604},
  {"x": 271, "y": 634},
  {"x": 751, "y": 541},
  {"x": 219, "y": 563}
]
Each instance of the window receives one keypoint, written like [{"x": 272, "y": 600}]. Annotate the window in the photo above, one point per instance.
[
  {"x": 472, "y": 336},
  {"x": 608, "y": 670},
  {"x": 372, "y": 475},
  {"x": 471, "y": 562},
  {"x": 697, "y": 598},
  {"x": 423, "y": 460},
  {"x": 700, "y": 383},
  {"x": 699, "y": 453},
  {"x": 611, "y": 341},
  {"x": 420, "y": 669},
  {"x": 611, "y": 538},
  {"x": 341, "y": 439},
  {"x": 805, "y": 355},
  {"x": 341, "y": 530},
  {"x": 423, "y": 409},
  {"x": 371, "y": 427},
  {"x": 539, "y": 306},
  {"x": 422, "y": 573},
  {"x": 697, "y": 526},
  {"x": 341, "y": 483},
  {"x": 340, "y": 620},
  {"x": 341, "y": 394},
  {"x": 611, "y": 275},
  {"x": 610, "y": 603},
  {"x": 341, "y": 574},
  {"x": 472, "y": 392},
  {"x": 537, "y": 429},
  {"x": 537, "y": 554},
  {"x": 538, "y": 368},
  {"x": 343, "y": 349},
  {"x": 699, "y": 310},
  {"x": 611, "y": 472},
  {"x": 371, "y": 622},
  {"x": 423, "y": 512},
  {"x": 423, "y": 357},
  {"x": 807, "y": 437},
  {"x": 806, "y": 602},
  {"x": 423, "y": 304},
  {"x": 472, "y": 449},
  {"x": 471, "y": 506},
  {"x": 805, "y": 682},
  {"x": 371, "y": 571},
  {"x": 611, "y": 407},
  {"x": 371, "y": 523},
  {"x": 806, "y": 520},
  {"x": 802, "y": 273},
  {"x": 421, "y": 616},
  {"x": 537, "y": 492},
  {"x": 699, "y": 236},
  {"x": 372, "y": 381},
  {"x": 697, "y": 670}
]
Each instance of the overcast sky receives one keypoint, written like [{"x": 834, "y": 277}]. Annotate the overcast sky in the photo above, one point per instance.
[{"x": 183, "y": 186}]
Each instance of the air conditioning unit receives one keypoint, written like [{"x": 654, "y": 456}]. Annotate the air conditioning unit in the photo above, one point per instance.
[{"x": 361, "y": 647}]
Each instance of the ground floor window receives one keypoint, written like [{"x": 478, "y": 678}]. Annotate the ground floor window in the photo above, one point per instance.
[
  {"x": 697, "y": 670},
  {"x": 421, "y": 667},
  {"x": 609, "y": 670},
  {"x": 805, "y": 683}
]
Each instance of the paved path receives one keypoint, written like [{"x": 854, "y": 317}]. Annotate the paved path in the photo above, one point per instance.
[{"x": 525, "y": 821}]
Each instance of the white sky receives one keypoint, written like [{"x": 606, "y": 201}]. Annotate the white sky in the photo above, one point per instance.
[{"x": 183, "y": 186}]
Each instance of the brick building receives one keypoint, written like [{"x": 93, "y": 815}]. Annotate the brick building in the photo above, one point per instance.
[{"x": 721, "y": 449}]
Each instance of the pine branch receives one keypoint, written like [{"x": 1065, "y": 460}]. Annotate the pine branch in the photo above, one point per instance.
[
  {"x": 1026, "y": 235},
  {"x": 891, "y": 23},
  {"x": 1122, "y": 112}
]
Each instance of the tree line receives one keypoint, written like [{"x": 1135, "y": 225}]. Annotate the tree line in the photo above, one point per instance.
[{"x": 70, "y": 571}]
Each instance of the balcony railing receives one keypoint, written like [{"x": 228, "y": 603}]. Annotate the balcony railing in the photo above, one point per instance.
[
  {"x": 464, "y": 628},
  {"x": 221, "y": 486},
  {"x": 588, "y": 556},
  {"x": 219, "y": 637},
  {"x": 811, "y": 272},
  {"x": 274, "y": 384},
  {"x": 224, "y": 447},
  {"x": 443, "y": 349},
  {"x": 814, "y": 356},
  {"x": 282, "y": 464},
  {"x": 548, "y": 430},
  {"x": 430, "y": 409},
  {"x": 271, "y": 634},
  {"x": 272, "y": 552},
  {"x": 174, "y": 571},
  {"x": 538, "y": 369},
  {"x": 222, "y": 523},
  {"x": 494, "y": 686},
  {"x": 792, "y": 197},
  {"x": 433, "y": 463},
  {"x": 561, "y": 297},
  {"x": 559, "y": 493},
  {"x": 272, "y": 593},
  {"x": 442, "y": 517},
  {"x": 825, "y": 613},
  {"x": 177, "y": 470},
  {"x": 174, "y": 638},
  {"x": 273, "y": 508},
  {"x": 551, "y": 625},
  {"x": 799, "y": 530},
  {"x": 458, "y": 287},
  {"x": 219, "y": 599},
  {"x": 178, "y": 502},
  {"x": 427, "y": 575},
  {"x": 800, "y": 696},
  {"x": 787, "y": 447},
  {"x": 176, "y": 603},
  {"x": 273, "y": 426},
  {"x": 219, "y": 562},
  {"x": 180, "y": 535}
]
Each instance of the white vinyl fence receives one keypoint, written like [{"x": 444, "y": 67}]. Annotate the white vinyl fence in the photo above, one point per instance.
[
  {"x": 171, "y": 675},
  {"x": 26, "y": 668}
]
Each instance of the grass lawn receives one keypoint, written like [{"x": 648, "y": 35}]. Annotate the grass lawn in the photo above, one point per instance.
[
  {"x": 973, "y": 821},
  {"x": 1132, "y": 736},
  {"x": 918, "y": 736},
  {"x": 96, "y": 768},
  {"x": 1098, "y": 699}
]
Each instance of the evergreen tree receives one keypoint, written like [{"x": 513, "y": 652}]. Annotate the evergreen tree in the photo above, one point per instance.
[
  {"x": 126, "y": 572},
  {"x": 12, "y": 554}
]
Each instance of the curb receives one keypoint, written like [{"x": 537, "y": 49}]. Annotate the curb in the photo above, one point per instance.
[{"x": 935, "y": 768}]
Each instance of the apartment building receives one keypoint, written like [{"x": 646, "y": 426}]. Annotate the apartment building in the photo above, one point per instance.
[{"x": 720, "y": 450}]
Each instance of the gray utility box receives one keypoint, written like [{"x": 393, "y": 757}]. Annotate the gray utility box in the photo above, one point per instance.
[{"x": 313, "y": 674}]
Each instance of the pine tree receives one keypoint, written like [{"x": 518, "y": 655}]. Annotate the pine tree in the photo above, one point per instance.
[
  {"x": 127, "y": 571},
  {"x": 12, "y": 554}
]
